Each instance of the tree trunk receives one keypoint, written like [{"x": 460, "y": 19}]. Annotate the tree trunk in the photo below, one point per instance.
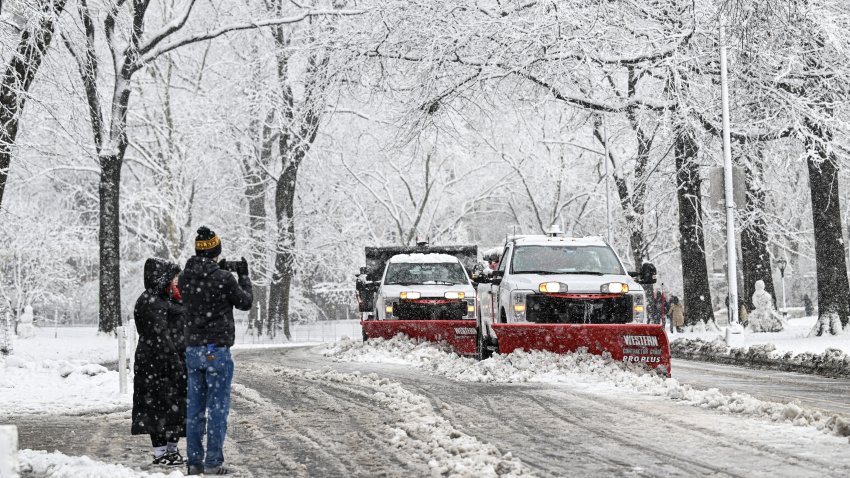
[
  {"x": 833, "y": 286},
  {"x": 255, "y": 192},
  {"x": 110, "y": 245},
  {"x": 284, "y": 268},
  {"x": 697, "y": 294},
  {"x": 755, "y": 257},
  {"x": 19, "y": 76}
]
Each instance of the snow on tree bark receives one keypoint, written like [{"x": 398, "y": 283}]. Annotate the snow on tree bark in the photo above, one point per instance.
[
  {"x": 755, "y": 256},
  {"x": 833, "y": 286},
  {"x": 697, "y": 293}
]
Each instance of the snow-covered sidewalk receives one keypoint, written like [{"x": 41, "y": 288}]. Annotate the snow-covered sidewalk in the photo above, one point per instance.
[
  {"x": 795, "y": 338},
  {"x": 792, "y": 349}
]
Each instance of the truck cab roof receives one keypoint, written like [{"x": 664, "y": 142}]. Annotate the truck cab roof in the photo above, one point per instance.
[
  {"x": 541, "y": 240},
  {"x": 423, "y": 258}
]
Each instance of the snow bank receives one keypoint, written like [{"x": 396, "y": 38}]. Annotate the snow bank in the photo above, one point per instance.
[
  {"x": 59, "y": 386},
  {"x": 831, "y": 362},
  {"x": 583, "y": 371},
  {"x": 795, "y": 338},
  {"x": 412, "y": 425},
  {"x": 42, "y": 464}
]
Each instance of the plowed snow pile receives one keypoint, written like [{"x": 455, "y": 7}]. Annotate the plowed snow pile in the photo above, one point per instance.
[
  {"x": 41, "y": 464},
  {"x": 584, "y": 371}
]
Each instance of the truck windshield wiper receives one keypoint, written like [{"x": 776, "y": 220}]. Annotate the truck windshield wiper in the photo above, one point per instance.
[
  {"x": 536, "y": 272},
  {"x": 592, "y": 273}
]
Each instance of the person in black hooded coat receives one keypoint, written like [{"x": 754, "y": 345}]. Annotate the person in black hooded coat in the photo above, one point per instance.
[{"x": 159, "y": 385}]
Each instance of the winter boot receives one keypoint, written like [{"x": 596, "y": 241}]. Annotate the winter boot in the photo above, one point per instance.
[
  {"x": 195, "y": 470},
  {"x": 217, "y": 470}
]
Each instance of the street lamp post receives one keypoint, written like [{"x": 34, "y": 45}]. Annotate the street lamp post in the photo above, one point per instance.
[{"x": 782, "y": 263}]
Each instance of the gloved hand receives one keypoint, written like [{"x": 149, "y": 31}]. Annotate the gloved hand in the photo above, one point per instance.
[{"x": 242, "y": 267}]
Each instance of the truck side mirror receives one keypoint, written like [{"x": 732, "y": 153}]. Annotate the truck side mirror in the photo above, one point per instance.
[
  {"x": 496, "y": 277},
  {"x": 481, "y": 279}
]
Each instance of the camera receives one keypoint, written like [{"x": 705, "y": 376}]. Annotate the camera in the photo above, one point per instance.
[{"x": 239, "y": 267}]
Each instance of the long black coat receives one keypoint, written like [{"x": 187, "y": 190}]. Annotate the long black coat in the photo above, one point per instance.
[{"x": 159, "y": 385}]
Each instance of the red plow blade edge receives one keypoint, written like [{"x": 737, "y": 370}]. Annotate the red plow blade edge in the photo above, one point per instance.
[
  {"x": 633, "y": 343},
  {"x": 460, "y": 334}
]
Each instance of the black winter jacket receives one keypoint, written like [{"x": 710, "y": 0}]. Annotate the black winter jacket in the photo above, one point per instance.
[
  {"x": 159, "y": 383},
  {"x": 209, "y": 295}
]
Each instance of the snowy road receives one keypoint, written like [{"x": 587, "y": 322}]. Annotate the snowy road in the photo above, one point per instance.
[
  {"x": 297, "y": 412},
  {"x": 813, "y": 391},
  {"x": 336, "y": 429}
]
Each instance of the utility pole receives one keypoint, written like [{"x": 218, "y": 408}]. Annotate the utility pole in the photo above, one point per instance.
[{"x": 731, "y": 250}]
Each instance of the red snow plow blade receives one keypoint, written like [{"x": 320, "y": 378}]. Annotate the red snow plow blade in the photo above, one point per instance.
[
  {"x": 633, "y": 343},
  {"x": 460, "y": 334}
]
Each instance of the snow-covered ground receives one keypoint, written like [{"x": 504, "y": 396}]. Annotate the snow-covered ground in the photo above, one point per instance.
[
  {"x": 67, "y": 343},
  {"x": 57, "y": 465},
  {"x": 58, "y": 371},
  {"x": 580, "y": 371},
  {"x": 795, "y": 338}
]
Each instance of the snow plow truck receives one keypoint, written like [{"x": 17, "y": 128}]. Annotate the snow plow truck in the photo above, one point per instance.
[
  {"x": 561, "y": 294},
  {"x": 424, "y": 292}
]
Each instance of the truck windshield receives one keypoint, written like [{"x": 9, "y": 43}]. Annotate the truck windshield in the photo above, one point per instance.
[
  {"x": 565, "y": 260},
  {"x": 404, "y": 273}
]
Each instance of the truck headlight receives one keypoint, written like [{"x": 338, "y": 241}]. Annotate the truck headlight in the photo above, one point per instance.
[
  {"x": 389, "y": 309},
  {"x": 518, "y": 303},
  {"x": 638, "y": 308},
  {"x": 552, "y": 287},
  {"x": 454, "y": 295},
  {"x": 410, "y": 295},
  {"x": 615, "y": 288}
]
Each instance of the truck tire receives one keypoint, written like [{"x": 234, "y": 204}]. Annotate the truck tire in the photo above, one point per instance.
[
  {"x": 365, "y": 337},
  {"x": 481, "y": 343}
]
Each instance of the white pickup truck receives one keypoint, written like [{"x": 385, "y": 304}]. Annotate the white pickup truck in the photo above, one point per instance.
[
  {"x": 550, "y": 279},
  {"x": 424, "y": 287}
]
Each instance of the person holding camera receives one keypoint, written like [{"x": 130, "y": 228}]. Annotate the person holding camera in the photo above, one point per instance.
[{"x": 210, "y": 293}]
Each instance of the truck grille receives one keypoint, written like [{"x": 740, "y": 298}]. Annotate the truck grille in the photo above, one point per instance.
[
  {"x": 578, "y": 309},
  {"x": 430, "y": 309}
]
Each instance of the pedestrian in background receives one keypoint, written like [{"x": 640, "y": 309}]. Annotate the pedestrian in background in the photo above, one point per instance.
[
  {"x": 744, "y": 314},
  {"x": 660, "y": 308},
  {"x": 159, "y": 383},
  {"x": 677, "y": 314},
  {"x": 210, "y": 293}
]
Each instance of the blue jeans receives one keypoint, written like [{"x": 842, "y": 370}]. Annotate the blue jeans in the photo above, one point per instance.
[{"x": 208, "y": 404}]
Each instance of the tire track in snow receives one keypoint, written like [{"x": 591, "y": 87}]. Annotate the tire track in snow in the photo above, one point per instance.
[
  {"x": 390, "y": 424},
  {"x": 802, "y": 462}
]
